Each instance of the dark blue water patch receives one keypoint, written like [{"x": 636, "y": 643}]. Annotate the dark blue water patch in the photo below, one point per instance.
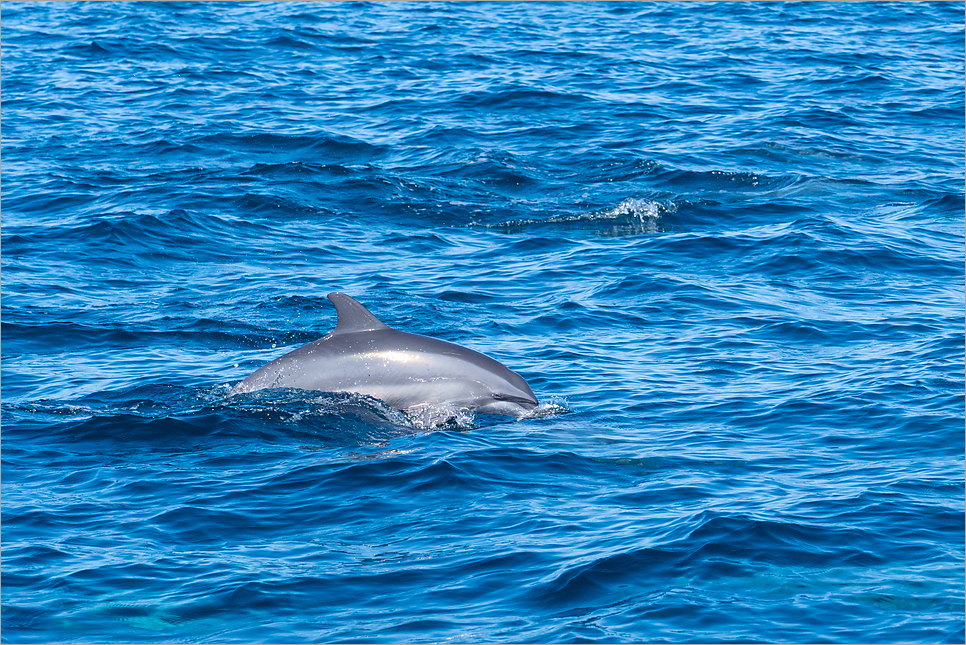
[
  {"x": 171, "y": 417},
  {"x": 947, "y": 204}
]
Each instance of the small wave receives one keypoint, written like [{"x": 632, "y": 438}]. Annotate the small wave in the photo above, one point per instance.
[
  {"x": 519, "y": 97},
  {"x": 633, "y": 216},
  {"x": 178, "y": 417}
]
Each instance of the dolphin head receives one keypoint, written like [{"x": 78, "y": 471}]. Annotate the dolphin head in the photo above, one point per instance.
[{"x": 513, "y": 398}]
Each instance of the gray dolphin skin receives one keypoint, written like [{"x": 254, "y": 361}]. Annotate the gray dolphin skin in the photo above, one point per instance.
[{"x": 408, "y": 372}]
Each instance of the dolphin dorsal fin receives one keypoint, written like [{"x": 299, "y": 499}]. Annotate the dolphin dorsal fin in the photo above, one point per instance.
[{"x": 353, "y": 316}]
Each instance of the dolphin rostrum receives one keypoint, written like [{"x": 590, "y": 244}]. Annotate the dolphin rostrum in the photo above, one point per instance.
[{"x": 408, "y": 372}]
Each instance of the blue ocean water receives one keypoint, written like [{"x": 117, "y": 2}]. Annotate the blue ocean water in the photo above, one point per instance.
[{"x": 725, "y": 243}]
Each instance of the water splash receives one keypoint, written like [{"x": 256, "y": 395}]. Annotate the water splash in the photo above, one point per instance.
[{"x": 633, "y": 216}]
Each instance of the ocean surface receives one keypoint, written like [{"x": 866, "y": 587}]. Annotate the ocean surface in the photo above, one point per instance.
[{"x": 724, "y": 243}]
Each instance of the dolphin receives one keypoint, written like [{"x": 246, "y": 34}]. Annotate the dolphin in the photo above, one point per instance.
[{"x": 408, "y": 372}]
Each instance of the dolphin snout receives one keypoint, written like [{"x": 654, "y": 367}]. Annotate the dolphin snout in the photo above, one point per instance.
[{"x": 525, "y": 401}]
